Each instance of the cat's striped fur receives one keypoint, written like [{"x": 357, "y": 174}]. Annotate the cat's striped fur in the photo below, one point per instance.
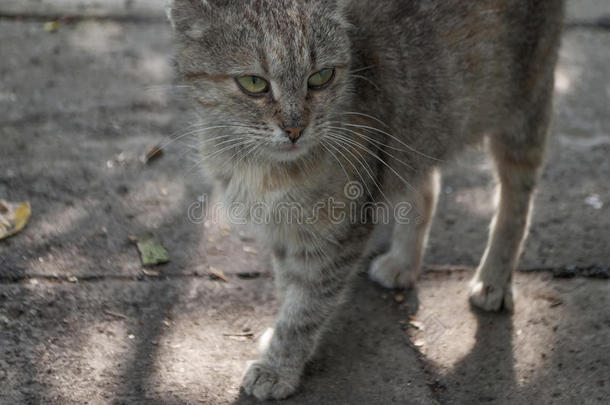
[{"x": 414, "y": 82}]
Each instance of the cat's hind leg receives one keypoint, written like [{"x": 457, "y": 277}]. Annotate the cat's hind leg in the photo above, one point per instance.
[
  {"x": 399, "y": 267},
  {"x": 518, "y": 159}
]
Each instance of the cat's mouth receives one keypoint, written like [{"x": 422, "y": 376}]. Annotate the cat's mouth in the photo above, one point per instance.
[
  {"x": 290, "y": 147},
  {"x": 288, "y": 151}
]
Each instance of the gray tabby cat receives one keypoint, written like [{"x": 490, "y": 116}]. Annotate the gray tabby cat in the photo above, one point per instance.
[{"x": 298, "y": 97}]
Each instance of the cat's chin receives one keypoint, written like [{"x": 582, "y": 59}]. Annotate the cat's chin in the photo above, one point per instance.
[{"x": 288, "y": 153}]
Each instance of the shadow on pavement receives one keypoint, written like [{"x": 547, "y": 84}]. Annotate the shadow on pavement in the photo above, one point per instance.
[
  {"x": 486, "y": 373},
  {"x": 363, "y": 357}
]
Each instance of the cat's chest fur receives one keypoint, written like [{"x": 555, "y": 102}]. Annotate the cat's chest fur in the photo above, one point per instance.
[{"x": 286, "y": 205}]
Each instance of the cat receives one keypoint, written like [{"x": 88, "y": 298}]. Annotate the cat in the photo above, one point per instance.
[{"x": 299, "y": 98}]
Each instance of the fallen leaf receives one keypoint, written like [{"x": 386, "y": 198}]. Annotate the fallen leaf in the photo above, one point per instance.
[
  {"x": 151, "y": 250},
  {"x": 151, "y": 273},
  {"x": 552, "y": 297},
  {"x": 153, "y": 153},
  {"x": 115, "y": 314},
  {"x": 251, "y": 250},
  {"x": 399, "y": 298},
  {"x": 417, "y": 325},
  {"x": 51, "y": 26},
  {"x": 217, "y": 274},
  {"x": 13, "y": 217}
]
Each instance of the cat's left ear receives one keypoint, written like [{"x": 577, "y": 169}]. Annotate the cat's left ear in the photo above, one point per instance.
[
  {"x": 338, "y": 10},
  {"x": 189, "y": 17}
]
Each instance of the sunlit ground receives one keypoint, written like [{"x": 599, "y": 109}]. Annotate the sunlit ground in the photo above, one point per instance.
[{"x": 74, "y": 126}]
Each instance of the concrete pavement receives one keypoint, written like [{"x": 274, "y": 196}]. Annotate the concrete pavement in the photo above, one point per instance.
[{"x": 80, "y": 106}]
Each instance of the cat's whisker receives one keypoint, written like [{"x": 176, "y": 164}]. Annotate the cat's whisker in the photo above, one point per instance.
[
  {"x": 366, "y": 79},
  {"x": 251, "y": 152},
  {"x": 369, "y": 138},
  {"x": 368, "y": 169},
  {"x": 395, "y": 138},
  {"x": 380, "y": 160},
  {"x": 336, "y": 159},
  {"x": 245, "y": 152},
  {"x": 366, "y": 116},
  {"x": 196, "y": 147},
  {"x": 334, "y": 146},
  {"x": 199, "y": 131},
  {"x": 362, "y": 69},
  {"x": 237, "y": 143},
  {"x": 384, "y": 152},
  {"x": 233, "y": 134}
]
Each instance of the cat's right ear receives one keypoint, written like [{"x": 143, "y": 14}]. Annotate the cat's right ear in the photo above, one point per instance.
[{"x": 189, "y": 17}]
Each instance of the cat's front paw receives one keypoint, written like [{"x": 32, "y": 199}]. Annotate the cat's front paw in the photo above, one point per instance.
[
  {"x": 490, "y": 296},
  {"x": 265, "y": 382},
  {"x": 390, "y": 272}
]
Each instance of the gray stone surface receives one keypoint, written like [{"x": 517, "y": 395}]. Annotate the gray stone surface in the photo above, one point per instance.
[
  {"x": 77, "y": 110},
  {"x": 586, "y": 10},
  {"x": 86, "y": 8}
]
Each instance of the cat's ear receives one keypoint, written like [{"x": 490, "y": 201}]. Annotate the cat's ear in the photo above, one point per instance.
[
  {"x": 341, "y": 6},
  {"x": 338, "y": 10},
  {"x": 189, "y": 17}
]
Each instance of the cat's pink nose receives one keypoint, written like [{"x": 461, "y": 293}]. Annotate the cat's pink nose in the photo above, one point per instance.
[{"x": 293, "y": 133}]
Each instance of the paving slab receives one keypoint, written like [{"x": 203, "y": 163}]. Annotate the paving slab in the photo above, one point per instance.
[
  {"x": 78, "y": 109},
  {"x": 85, "y": 8},
  {"x": 187, "y": 342},
  {"x": 82, "y": 106}
]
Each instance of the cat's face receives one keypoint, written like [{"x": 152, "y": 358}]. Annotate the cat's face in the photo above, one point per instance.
[{"x": 272, "y": 73}]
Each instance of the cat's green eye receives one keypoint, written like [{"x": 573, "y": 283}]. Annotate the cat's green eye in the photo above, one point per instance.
[
  {"x": 253, "y": 85},
  {"x": 321, "y": 78}
]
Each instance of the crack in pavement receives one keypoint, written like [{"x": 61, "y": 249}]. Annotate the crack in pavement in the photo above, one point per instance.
[{"x": 590, "y": 271}]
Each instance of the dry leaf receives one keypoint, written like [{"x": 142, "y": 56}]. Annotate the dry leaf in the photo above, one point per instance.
[
  {"x": 417, "y": 325},
  {"x": 13, "y": 217},
  {"x": 151, "y": 250},
  {"x": 151, "y": 273},
  {"x": 552, "y": 297},
  {"x": 249, "y": 249},
  {"x": 51, "y": 26},
  {"x": 153, "y": 153},
  {"x": 218, "y": 274}
]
